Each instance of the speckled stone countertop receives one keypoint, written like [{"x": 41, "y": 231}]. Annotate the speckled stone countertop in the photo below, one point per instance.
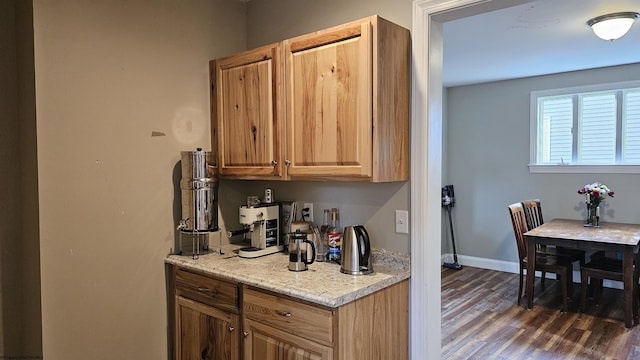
[{"x": 322, "y": 283}]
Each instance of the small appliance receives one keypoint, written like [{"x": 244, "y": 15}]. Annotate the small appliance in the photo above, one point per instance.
[
  {"x": 199, "y": 198},
  {"x": 356, "y": 251},
  {"x": 448, "y": 201},
  {"x": 263, "y": 222},
  {"x": 299, "y": 258}
]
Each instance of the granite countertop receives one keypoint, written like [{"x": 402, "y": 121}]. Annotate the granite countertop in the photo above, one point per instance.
[{"x": 322, "y": 283}]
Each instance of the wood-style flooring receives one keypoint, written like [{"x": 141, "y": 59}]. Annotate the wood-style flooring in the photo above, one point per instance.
[{"x": 482, "y": 320}]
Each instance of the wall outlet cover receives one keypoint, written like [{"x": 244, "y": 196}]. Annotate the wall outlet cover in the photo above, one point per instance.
[
  {"x": 308, "y": 205},
  {"x": 402, "y": 221}
]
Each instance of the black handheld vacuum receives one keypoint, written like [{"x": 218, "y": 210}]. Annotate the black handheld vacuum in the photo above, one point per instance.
[{"x": 448, "y": 200}]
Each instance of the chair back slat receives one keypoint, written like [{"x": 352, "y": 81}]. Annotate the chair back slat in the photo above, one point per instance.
[
  {"x": 519, "y": 228},
  {"x": 533, "y": 213}
]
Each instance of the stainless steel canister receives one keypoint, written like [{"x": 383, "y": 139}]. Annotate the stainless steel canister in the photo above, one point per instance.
[{"x": 199, "y": 191}]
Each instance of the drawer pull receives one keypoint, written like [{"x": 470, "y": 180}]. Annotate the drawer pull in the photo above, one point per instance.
[
  {"x": 207, "y": 290},
  {"x": 231, "y": 328},
  {"x": 283, "y": 313}
]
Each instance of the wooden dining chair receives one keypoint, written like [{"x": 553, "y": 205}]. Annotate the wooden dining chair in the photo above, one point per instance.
[
  {"x": 607, "y": 268},
  {"x": 561, "y": 266},
  {"x": 533, "y": 216}
]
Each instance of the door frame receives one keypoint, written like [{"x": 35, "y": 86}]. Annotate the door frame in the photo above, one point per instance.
[{"x": 426, "y": 165}]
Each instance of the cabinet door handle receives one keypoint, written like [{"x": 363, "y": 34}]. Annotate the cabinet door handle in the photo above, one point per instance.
[
  {"x": 274, "y": 163},
  {"x": 245, "y": 334},
  {"x": 231, "y": 328},
  {"x": 283, "y": 313},
  {"x": 287, "y": 162}
]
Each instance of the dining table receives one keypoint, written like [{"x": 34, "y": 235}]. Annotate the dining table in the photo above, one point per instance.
[{"x": 611, "y": 237}]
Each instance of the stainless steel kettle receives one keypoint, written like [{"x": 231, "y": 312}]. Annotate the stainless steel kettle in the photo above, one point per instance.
[{"x": 356, "y": 251}]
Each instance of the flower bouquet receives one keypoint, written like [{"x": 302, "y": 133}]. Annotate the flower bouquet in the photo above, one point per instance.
[{"x": 594, "y": 193}]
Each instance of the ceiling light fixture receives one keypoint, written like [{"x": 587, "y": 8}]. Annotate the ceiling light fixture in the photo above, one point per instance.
[{"x": 612, "y": 26}]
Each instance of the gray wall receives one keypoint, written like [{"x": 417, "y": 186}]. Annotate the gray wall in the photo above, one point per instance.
[
  {"x": 487, "y": 144},
  {"x": 10, "y": 185},
  {"x": 20, "y": 331},
  {"x": 274, "y": 20}
]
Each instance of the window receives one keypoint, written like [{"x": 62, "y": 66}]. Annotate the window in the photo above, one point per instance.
[{"x": 594, "y": 128}]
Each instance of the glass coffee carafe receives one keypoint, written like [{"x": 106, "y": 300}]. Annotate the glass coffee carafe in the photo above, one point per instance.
[{"x": 299, "y": 258}]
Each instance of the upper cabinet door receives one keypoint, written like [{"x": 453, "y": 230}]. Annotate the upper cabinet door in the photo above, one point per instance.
[
  {"x": 328, "y": 80},
  {"x": 248, "y": 134}
]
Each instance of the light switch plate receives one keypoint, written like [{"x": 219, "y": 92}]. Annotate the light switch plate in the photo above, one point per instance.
[{"x": 402, "y": 221}]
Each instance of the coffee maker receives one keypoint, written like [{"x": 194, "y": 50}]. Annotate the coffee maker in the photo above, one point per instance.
[
  {"x": 263, "y": 222},
  {"x": 299, "y": 256}
]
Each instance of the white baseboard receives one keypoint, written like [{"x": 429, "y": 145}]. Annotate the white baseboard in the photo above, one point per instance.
[{"x": 514, "y": 268}]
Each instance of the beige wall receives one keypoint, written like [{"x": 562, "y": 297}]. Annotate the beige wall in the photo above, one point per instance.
[
  {"x": 108, "y": 74},
  {"x": 373, "y": 205}
]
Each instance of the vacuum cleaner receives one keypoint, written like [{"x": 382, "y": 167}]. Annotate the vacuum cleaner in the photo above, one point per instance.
[{"x": 448, "y": 200}]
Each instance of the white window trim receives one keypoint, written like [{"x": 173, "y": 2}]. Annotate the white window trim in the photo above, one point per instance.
[
  {"x": 584, "y": 169},
  {"x": 568, "y": 168}
]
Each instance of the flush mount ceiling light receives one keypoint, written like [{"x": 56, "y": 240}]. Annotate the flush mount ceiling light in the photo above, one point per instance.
[{"x": 612, "y": 26}]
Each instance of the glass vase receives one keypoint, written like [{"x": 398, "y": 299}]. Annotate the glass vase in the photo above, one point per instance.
[{"x": 593, "y": 215}]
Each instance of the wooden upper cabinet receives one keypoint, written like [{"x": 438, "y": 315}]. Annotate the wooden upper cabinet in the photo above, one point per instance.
[
  {"x": 248, "y": 116},
  {"x": 329, "y": 103},
  {"x": 347, "y": 101},
  {"x": 346, "y": 94}
]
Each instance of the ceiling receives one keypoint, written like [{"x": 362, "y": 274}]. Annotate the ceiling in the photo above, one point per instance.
[{"x": 536, "y": 38}]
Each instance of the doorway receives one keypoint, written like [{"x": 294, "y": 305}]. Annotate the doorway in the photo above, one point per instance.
[{"x": 426, "y": 164}]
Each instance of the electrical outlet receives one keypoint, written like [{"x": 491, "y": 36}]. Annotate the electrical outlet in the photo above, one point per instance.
[
  {"x": 402, "y": 221},
  {"x": 310, "y": 207}
]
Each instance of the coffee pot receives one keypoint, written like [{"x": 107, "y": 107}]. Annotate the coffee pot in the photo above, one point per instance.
[
  {"x": 298, "y": 254},
  {"x": 356, "y": 251}
]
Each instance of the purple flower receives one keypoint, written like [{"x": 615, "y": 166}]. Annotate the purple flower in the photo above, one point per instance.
[{"x": 595, "y": 192}]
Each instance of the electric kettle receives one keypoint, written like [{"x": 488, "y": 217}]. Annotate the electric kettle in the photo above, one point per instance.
[{"x": 356, "y": 251}]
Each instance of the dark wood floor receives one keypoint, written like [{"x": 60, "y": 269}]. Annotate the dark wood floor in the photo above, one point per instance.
[{"x": 482, "y": 320}]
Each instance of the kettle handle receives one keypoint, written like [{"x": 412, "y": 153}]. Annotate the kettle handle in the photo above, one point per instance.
[
  {"x": 363, "y": 238},
  {"x": 313, "y": 247}
]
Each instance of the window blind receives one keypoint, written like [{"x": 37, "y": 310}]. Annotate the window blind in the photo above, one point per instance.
[{"x": 588, "y": 128}]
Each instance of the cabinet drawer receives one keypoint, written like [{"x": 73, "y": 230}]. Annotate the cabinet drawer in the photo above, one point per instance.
[
  {"x": 218, "y": 293},
  {"x": 307, "y": 321}
]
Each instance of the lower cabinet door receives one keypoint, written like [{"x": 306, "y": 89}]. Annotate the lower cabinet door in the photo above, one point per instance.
[
  {"x": 204, "y": 332},
  {"x": 263, "y": 342}
]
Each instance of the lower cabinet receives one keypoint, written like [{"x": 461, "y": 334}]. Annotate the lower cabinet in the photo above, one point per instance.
[
  {"x": 204, "y": 332},
  {"x": 218, "y": 319},
  {"x": 263, "y": 342},
  {"x": 205, "y": 316},
  {"x": 281, "y": 328}
]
